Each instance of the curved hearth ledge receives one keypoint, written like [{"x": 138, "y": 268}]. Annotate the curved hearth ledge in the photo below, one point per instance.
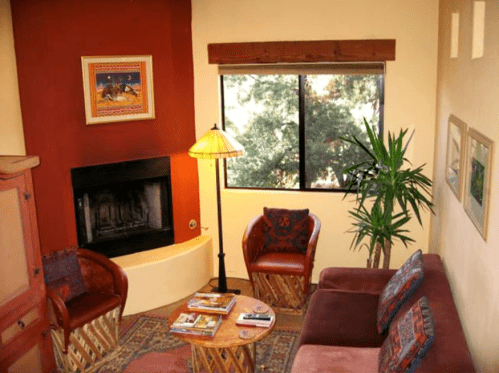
[{"x": 165, "y": 275}]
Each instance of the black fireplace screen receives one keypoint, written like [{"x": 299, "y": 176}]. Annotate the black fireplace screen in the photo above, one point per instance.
[{"x": 125, "y": 207}]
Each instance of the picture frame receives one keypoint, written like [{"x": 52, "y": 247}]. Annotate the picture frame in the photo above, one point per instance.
[
  {"x": 478, "y": 178},
  {"x": 117, "y": 88},
  {"x": 456, "y": 144}
]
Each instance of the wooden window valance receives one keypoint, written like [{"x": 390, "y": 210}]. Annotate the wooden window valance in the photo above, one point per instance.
[
  {"x": 302, "y": 51},
  {"x": 317, "y": 68}
]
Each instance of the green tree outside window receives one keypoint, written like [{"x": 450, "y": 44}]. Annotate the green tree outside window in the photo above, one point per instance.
[{"x": 265, "y": 112}]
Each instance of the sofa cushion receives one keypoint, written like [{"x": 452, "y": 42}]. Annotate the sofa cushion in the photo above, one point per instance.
[
  {"x": 322, "y": 359},
  {"x": 63, "y": 274},
  {"x": 285, "y": 230},
  {"x": 365, "y": 280},
  {"x": 408, "y": 340},
  {"x": 449, "y": 352},
  {"x": 340, "y": 318},
  {"x": 398, "y": 290}
]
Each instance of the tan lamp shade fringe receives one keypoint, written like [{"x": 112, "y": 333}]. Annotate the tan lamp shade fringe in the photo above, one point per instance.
[{"x": 216, "y": 143}]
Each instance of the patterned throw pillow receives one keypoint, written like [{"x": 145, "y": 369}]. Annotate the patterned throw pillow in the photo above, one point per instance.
[
  {"x": 409, "y": 339},
  {"x": 285, "y": 230},
  {"x": 400, "y": 287},
  {"x": 63, "y": 274}
]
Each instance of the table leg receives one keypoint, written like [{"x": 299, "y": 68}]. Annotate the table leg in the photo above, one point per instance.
[{"x": 239, "y": 359}]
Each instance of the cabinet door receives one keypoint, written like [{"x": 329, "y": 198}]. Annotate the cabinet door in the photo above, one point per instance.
[
  {"x": 21, "y": 281},
  {"x": 23, "y": 319},
  {"x": 31, "y": 352},
  {"x": 31, "y": 361}
]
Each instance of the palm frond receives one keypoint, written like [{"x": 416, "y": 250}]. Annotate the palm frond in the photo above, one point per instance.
[{"x": 388, "y": 188}]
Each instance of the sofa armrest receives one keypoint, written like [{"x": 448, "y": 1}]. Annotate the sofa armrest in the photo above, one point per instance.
[{"x": 364, "y": 280}]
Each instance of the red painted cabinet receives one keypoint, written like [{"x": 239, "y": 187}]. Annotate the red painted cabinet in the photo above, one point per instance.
[{"x": 25, "y": 343}]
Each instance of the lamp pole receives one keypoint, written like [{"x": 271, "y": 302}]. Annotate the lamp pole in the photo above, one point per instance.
[
  {"x": 222, "y": 278},
  {"x": 218, "y": 144}
]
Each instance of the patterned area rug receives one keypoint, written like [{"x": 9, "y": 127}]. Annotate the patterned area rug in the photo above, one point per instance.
[{"x": 148, "y": 346}]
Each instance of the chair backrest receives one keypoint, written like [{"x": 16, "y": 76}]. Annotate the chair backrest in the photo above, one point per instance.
[{"x": 254, "y": 245}]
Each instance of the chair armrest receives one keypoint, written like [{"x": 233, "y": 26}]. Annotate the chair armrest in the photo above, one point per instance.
[
  {"x": 95, "y": 267},
  {"x": 253, "y": 241},
  {"x": 364, "y": 280},
  {"x": 59, "y": 315},
  {"x": 314, "y": 227}
]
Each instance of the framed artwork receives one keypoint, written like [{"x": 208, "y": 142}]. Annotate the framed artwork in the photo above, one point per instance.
[
  {"x": 117, "y": 88},
  {"x": 478, "y": 175},
  {"x": 454, "y": 169}
]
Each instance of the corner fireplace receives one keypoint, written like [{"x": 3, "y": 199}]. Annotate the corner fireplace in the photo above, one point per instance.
[{"x": 122, "y": 208}]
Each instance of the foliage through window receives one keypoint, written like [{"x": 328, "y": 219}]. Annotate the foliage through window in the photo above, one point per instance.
[{"x": 291, "y": 125}]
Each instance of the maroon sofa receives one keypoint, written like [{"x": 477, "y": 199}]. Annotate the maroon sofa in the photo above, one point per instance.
[{"x": 340, "y": 335}]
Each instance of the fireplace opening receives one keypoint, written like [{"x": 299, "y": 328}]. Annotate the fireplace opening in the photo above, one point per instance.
[{"x": 122, "y": 208}]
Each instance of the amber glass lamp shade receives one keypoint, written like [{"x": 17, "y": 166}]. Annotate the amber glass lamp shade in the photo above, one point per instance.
[{"x": 216, "y": 143}]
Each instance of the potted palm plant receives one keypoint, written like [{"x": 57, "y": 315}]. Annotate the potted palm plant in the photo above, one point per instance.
[{"x": 385, "y": 195}]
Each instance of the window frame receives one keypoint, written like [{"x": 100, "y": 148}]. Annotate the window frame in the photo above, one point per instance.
[{"x": 301, "y": 138}]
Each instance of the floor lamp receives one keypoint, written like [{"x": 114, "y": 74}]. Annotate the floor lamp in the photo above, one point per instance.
[{"x": 216, "y": 144}]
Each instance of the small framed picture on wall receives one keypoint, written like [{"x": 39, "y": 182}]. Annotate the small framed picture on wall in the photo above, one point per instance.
[
  {"x": 456, "y": 136},
  {"x": 478, "y": 177},
  {"x": 118, "y": 88}
]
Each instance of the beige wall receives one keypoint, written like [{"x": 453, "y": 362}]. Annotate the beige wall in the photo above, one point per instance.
[
  {"x": 410, "y": 103},
  {"x": 11, "y": 125},
  {"x": 469, "y": 89},
  {"x": 466, "y": 88}
]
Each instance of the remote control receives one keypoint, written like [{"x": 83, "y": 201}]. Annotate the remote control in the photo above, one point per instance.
[{"x": 256, "y": 316}]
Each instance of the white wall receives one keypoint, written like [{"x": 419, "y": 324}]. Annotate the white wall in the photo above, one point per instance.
[
  {"x": 11, "y": 125},
  {"x": 410, "y": 103},
  {"x": 469, "y": 89}
]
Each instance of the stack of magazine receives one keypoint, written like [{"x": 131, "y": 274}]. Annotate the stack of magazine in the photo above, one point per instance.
[
  {"x": 212, "y": 302},
  {"x": 255, "y": 319},
  {"x": 197, "y": 324}
]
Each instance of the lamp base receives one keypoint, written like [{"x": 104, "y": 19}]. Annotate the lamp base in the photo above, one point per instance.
[{"x": 232, "y": 291}]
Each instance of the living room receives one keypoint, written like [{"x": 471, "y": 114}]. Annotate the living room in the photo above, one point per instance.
[{"x": 423, "y": 87}]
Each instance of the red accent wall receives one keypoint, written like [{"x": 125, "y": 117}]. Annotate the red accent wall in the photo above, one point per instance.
[{"x": 50, "y": 39}]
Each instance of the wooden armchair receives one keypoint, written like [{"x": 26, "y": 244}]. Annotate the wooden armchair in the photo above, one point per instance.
[
  {"x": 86, "y": 305},
  {"x": 279, "y": 278}
]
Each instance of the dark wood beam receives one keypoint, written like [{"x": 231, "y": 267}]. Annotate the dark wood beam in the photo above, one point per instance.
[{"x": 302, "y": 51}]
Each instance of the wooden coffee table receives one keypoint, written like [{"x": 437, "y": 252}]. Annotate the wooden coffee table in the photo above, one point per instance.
[{"x": 226, "y": 351}]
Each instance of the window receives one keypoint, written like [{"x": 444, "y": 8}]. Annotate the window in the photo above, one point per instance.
[{"x": 290, "y": 121}]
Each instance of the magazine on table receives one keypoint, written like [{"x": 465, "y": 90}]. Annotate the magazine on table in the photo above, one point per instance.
[
  {"x": 212, "y": 302},
  {"x": 198, "y": 324},
  {"x": 264, "y": 320}
]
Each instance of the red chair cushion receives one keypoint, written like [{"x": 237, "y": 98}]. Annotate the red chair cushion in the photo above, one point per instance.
[
  {"x": 280, "y": 263},
  {"x": 63, "y": 274},
  {"x": 285, "y": 230},
  {"x": 88, "y": 306}
]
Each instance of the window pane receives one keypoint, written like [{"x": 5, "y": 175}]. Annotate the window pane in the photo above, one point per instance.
[
  {"x": 335, "y": 107},
  {"x": 261, "y": 112}
]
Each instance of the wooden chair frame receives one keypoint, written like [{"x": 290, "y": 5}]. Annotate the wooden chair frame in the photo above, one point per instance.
[
  {"x": 86, "y": 348},
  {"x": 286, "y": 292}
]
